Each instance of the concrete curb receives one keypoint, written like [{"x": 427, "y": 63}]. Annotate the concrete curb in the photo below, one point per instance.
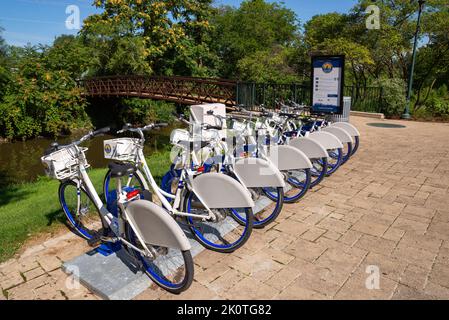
[{"x": 368, "y": 115}]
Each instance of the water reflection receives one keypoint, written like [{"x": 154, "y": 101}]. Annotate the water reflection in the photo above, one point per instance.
[{"x": 20, "y": 161}]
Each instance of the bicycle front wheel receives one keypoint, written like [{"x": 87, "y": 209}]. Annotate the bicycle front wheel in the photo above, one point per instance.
[
  {"x": 171, "y": 269},
  {"x": 82, "y": 214},
  {"x": 224, "y": 235}
]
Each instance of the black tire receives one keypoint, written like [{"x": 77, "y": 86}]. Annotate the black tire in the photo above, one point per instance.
[
  {"x": 299, "y": 189},
  {"x": 319, "y": 174},
  {"x": 188, "y": 263},
  {"x": 356, "y": 145},
  {"x": 264, "y": 222},
  {"x": 196, "y": 232},
  {"x": 259, "y": 222},
  {"x": 348, "y": 154},
  {"x": 75, "y": 222}
]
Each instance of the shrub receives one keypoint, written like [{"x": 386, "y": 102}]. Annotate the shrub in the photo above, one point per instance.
[
  {"x": 438, "y": 106},
  {"x": 46, "y": 103},
  {"x": 393, "y": 96}
]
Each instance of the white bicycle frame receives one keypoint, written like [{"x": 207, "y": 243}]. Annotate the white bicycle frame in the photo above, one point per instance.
[
  {"x": 186, "y": 176},
  {"x": 84, "y": 180}
]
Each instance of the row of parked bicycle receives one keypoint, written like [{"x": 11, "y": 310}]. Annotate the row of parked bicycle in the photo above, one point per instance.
[{"x": 230, "y": 173}]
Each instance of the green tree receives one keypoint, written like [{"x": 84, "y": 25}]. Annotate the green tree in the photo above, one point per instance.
[
  {"x": 323, "y": 27},
  {"x": 68, "y": 53},
  {"x": 255, "y": 26},
  {"x": 39, "y": 100},
  {"x": 144, "y": 35},
  {"x": 4, "y": 74},
  {"x": 271, "y": 66}
]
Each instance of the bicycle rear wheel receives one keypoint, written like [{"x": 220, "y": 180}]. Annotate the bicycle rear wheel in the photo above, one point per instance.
[
  {"x": 298, "y": 184},
  {"x": 334, "y": 161},
  {"x": 82, "y": 214},
  {"x": 225, "y": 235},
  {"x": 266, "y": 210},
  {"x": 347, "y": 152},
  {"x": 357, "y": 145},
  {"x": 318, "y": 171},
  {"x": 134, "y": 181},
  {"x": 171, "y": 269}
]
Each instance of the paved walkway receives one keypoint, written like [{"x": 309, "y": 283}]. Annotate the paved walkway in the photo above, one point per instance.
[{"x": 377, "y": 229}]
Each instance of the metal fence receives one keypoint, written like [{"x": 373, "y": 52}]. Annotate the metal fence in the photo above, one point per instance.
[
  {"x": 368, "y": 99},
  {"x": 256, "y": 94}
]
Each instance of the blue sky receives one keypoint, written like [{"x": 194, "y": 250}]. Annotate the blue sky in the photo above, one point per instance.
[{"x": 40, "y": 21}]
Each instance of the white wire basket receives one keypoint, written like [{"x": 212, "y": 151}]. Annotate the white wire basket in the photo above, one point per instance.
[
  {"x": 63, "y": 164},
  {"x": 179, "y": 135},
  {"x": 123, "y": 149},
  {"x": 238, "y": 126}
]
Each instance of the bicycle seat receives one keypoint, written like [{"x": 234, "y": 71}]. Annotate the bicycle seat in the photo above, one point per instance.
[
  {"x": 119, "y": 170},
  {"x": 192, "y": 145},
  {"x": 53, "y": 148}
]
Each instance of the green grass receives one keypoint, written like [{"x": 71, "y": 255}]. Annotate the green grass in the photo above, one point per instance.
[{"x": 29, "y": 209}]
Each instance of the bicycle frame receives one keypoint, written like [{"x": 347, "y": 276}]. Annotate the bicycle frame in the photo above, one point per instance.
[
  {"x": 83, "y": 180},
  {"x": 184, "y": 181}
]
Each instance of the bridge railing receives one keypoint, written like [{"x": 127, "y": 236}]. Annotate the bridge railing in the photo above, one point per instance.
[{"x": 176, "y": 89}]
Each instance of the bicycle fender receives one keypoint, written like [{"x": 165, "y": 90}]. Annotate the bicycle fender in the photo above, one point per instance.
[
  {"x": 156, "y": 226},
  {"x": 327, "y": 140},
  {"x": 341, "y": 134},
  {"x": 289, "y": 158},
  {"x": 349, "y": 128},
  {"x": 219, "y": 191},
  {"x": 311, "y": 148},
  {"x": 258, "y": 173}
]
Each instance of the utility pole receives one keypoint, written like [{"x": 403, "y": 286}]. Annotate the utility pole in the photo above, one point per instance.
[{"x": 406, "y": 114}]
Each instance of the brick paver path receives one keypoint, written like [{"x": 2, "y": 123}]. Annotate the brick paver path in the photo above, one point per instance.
[{"x": 386, "y": 211}]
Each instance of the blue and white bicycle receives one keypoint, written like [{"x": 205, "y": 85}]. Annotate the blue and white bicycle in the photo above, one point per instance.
[{"x": 151, "y": 238}]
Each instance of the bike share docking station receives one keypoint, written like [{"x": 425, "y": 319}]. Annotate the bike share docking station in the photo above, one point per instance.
[
  {"x": 108, "y": 270},
  {"x": 112, "y": 273}
]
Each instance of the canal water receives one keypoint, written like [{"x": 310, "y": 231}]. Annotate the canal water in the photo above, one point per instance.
[{"x": 20, "y": 161}]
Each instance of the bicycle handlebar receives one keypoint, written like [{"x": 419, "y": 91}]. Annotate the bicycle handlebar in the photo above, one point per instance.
[
  {"x": 204, "y": 125},
  {"x": 91, "y": 135},
  {"x": 127, "y": 127},
  {"x": 56, "y": 146}
]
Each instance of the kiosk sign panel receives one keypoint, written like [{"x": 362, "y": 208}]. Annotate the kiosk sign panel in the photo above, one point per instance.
[{"x": 327, "y": 84}]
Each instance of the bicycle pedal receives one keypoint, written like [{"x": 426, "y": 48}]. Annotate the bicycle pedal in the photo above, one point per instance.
[
  {"x": 109, "y": 239},
  {"x": 94, "y": 242}
]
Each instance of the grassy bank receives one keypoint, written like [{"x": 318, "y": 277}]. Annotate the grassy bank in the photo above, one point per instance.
[{"x": 28, "y": 209}]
